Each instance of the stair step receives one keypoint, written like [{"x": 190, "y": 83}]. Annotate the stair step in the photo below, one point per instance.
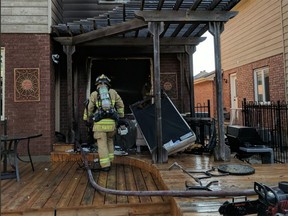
[
  {"x": 62, "y": 147},
  {"x": 71, "y": 156}
]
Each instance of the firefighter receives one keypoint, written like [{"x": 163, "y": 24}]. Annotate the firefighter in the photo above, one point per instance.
[{"x": 108, "y": 107}]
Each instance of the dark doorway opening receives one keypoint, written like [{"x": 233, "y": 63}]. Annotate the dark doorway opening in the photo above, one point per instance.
[{"x": 128, "y": 77}]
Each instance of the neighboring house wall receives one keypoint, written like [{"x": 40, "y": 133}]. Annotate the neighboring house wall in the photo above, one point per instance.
[
  {"x": 252, "y": 35},
  {"x": 204, "y": 91},
  {"x": 250, "y": 41},
  {"x": 245, "y": 77},
  {"x": 285, "y": 37}
]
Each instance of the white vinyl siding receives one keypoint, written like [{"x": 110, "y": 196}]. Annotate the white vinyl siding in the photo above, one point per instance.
[
  {"x": 30, "y": 16},
  {"x": 285, "y": 41},
  {"x": 254, "y": 34}
]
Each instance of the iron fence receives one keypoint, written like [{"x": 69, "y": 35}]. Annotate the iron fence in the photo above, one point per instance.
[
  {"x": 202, "y": 110},
  {"x": 271, "y": 121}
]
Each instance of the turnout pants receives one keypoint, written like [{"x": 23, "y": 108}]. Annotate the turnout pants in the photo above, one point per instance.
[{"x": 105, "y": 144}]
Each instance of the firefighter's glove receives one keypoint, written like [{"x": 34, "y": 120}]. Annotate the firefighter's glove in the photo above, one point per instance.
[{"x": 122, "y": 130}]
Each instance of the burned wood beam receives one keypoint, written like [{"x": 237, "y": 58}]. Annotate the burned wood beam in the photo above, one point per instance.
[
  {"x": 185, "y": 16},
  {"x": 195, "y": 5},
  {"x": 160, "y": 4},
  {"x": 135, "y": 42},
  {"x": 110, "y": 31},
  {"x": 64, "y": 40}
]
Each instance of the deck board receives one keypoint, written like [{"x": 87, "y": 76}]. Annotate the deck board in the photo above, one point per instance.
[
  {"x": 64, "y": 186},
  {"x": 78, "y": 194},
  {"x": 50, "y": 185},
  {"x": 111, "y": 183},
  {"x": 130, "y": 184},
  {"x": 121, "y": 184},
  {"x": 99, "y": 198},
  {"x": 60, "y": 188},
  {"x": 140, "y": 184},
  {"x": 151, "y": 185},
  {"x": 68, "y": 193}
]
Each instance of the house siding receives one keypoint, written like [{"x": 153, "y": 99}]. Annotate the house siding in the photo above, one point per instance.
[
  {"x": 30, "y": 51},
  {"x": 252, "y": 35},
  {"x": 285, "y": 40},
  {"x": 30, "y": 16},
  {"x": 254, "y": 40},
  {"x": 56, "y": 12}
]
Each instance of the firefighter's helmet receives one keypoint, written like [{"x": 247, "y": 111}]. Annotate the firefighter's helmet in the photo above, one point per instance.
[{"x": 102, "y": 79}]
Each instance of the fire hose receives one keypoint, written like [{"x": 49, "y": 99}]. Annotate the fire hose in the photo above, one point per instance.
[{"x": 173, "y": 193}]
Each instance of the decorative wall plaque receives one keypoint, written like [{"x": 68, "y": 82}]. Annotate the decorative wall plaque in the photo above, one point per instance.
[
  {"x": 26, "y": 84},
  {"x": 169, "y": 84}
]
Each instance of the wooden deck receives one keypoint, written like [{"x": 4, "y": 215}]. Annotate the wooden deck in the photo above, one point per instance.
[{"x": 61, "y": 188}]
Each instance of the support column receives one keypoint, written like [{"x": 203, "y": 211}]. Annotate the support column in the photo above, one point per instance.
[
  {"x": 70, "y": 136},
  {"x": 180, "y": 59},
  {"x": 160, "y": 154},
  {"x": 190, "y": 50},
  {"x": 221, "y": 152}
]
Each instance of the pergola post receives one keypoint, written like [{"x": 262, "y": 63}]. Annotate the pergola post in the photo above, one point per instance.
[
  {"x": 160, "y": 155},
  {"x": 70, "y": 136},
  {"x": 190, "y": 50},
  {"x": 221, "y": 151}
]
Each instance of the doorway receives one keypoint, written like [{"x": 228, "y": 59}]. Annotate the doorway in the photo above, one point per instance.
[
  {"x": 235, "y": 112},
  {"x": 129, "y": 76}
]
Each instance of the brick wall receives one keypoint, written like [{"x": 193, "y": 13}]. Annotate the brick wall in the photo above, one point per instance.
[
  {"x": 203, "y": 92},
  {"x": 245, "y": 80},
  {"x": 170, "y": 69},
  {"x": 30, "y": 51}
]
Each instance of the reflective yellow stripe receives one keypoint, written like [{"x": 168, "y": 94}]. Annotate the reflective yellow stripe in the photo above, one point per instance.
[
  {"x": 111, "y": 156},
  {"x": 104, "y": 160},
  {"x": 120, "y": 110},
  {"x": 106, "y": 122},
  {"x": 85, "y": 117}
]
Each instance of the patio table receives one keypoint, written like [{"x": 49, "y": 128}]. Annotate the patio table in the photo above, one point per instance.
[{"x": 9, "y": 151}]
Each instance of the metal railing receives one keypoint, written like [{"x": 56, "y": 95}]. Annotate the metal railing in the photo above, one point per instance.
[
  {"x": 202, "y": 110},
  {"x": 271, "y": 121}
]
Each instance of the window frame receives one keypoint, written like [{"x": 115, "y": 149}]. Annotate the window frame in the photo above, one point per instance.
[
  {"x": 263, "y": 72},
  {"x": 2, "y": 95}
]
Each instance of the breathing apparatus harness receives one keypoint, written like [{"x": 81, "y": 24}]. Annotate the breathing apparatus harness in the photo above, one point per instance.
[{"x": 105, "y": 108}]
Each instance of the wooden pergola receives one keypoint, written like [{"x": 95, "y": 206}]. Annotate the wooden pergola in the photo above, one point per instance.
[{"x": 175, "y": 25}]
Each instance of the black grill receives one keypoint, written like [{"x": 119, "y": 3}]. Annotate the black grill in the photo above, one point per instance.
[{"x": 242, "y": 136}]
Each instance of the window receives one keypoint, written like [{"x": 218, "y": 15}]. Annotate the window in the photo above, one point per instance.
[
  {"x": 2, "y": 84},
  {"x": 261, "y": 85}
]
